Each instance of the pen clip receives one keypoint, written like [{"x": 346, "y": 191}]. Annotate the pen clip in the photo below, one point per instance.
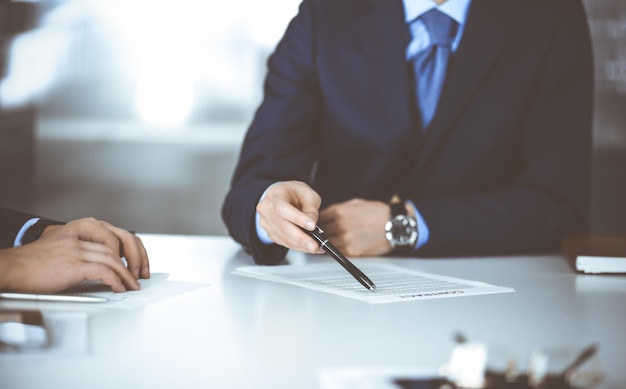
[{"x": 317, "y": 234}]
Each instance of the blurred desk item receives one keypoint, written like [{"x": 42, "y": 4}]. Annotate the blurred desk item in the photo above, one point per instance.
[
  {"x": 30, "y": 334},
  {"x": 242, "y": 332},
  {"x": 596, "y": 255}
]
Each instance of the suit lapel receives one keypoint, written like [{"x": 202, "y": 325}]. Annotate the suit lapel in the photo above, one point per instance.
[
  {"x": 385, "y": 36},
  {"x": 483, "y": 38}
]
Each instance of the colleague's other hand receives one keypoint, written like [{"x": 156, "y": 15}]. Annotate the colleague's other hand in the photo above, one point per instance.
[
  {"x": 122, "y": 242},
  {"x": 286, "y": 206},
  {"x": 357, "y": 227},
  {"x": 65, "y": 255}
]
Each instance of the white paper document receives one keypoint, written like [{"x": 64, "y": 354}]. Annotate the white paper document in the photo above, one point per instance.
[
  {"x": 393, "y": 283},
  {"x": 153, "y": 289}
]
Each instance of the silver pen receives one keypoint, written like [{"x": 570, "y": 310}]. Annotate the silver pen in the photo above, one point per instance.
[
  {"x": 52, "y": 297},
  {"x": 318, "y": 235}
]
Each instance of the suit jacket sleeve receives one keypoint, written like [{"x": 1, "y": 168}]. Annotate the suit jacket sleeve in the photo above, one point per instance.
[
  {"x": 278, "y": 145},
  {"x": 10, "y": 223}
]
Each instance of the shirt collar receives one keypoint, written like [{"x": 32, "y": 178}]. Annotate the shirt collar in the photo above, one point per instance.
[{"x": 456, "y": 9}]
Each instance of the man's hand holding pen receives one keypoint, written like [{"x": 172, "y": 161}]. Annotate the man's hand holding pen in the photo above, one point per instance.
[
  {"x": 285, "y": 207},
  {"x": 288, "y": 213}
]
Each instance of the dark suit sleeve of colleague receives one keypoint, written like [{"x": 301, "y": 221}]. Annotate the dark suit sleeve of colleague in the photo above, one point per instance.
[
  {"x": 504, "y": 166},
  {"x": 10, "y": 224}
]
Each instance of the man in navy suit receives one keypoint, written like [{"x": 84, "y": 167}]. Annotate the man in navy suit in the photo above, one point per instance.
[
  {"x": 501, "y": 168},
  {"x": 39, "y": 255}
]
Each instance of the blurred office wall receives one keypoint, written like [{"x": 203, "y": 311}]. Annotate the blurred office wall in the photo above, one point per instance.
[
  {"x": 17, "y": 135},
  {"x": 142, "y": 105},
  {"x": 607, "y": 20}
]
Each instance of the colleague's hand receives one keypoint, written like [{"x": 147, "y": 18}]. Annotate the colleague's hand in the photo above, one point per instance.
[
  {"x": 357, "y": 227},
  {"x": 286, "y": 206},
  {"x": 85, "y": 249},
  {"x": 122, "y": 242}
]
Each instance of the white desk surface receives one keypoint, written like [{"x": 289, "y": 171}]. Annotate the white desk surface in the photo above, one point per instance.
[{"x": 243, "y": 332}]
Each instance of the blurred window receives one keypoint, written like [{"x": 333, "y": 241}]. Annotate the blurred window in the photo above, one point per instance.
[{"x": 161, "y": 62}]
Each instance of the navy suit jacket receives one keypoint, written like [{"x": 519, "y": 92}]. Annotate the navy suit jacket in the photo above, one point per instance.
[
  {"x": 10, "y": 224},
  {"x": 504, "y": 166}
]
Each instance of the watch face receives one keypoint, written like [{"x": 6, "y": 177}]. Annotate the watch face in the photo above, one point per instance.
[{"x": 401, "y": 231}]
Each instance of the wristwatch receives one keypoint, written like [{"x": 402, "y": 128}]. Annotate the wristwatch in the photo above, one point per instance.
[{"x": 400, "y": 229}]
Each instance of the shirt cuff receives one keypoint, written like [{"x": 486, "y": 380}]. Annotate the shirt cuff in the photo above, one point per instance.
[
  {"x": 422, "y": 227},
  {"x": 20, "y": 234},
  {"x": 260, "y": 232}
]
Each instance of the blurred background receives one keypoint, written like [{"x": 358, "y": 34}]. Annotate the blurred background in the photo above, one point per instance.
[{"x": 133, "y": 111}]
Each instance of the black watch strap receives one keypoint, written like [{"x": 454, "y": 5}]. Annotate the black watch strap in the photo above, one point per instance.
[
  {"x": 34, "y": 232},
  {"x": 403, "y": 250},
  {"x": 397, "y": 208}
]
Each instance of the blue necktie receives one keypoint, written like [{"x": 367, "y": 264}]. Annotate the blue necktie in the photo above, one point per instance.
[{"x": 430, "y": 64}]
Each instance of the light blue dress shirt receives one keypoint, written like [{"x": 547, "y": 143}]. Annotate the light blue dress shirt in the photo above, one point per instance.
[
  {"x": 20, "y": 234},
  {"x": 457, "y": 10}
]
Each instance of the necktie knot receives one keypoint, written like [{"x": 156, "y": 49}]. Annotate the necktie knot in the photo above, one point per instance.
[{"x": 441, "y": 27}]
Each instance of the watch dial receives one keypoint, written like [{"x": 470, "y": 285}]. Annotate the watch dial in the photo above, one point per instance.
[{"x": 403, "y": 230}]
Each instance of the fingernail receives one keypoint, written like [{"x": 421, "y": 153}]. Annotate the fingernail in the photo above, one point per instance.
[
  {"x": 312, "y": 247},
  {"x": 146, "y": 270},
  {"x": 309, "y": 225}
]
